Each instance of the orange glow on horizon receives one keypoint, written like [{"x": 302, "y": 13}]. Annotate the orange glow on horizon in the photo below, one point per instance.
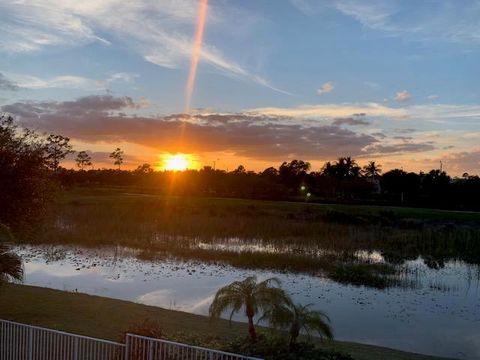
[{"x": 196, "y": 52}]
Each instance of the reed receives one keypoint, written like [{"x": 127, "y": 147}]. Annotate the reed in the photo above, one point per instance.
[{"x": 283, "y": 236}]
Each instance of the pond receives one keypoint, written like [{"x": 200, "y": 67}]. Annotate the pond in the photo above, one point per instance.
[{"x": 438, "y": 315}]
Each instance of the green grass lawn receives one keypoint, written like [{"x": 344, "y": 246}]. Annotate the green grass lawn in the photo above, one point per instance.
[{"x": 108, "y": 318}]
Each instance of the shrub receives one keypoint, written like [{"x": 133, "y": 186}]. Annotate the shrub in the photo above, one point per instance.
[{"x": 275, "y": 347}]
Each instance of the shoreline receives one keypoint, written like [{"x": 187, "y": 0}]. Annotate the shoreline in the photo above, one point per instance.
[{"x": 107, "y": 318}]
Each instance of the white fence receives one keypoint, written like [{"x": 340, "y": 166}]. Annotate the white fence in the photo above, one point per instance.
[
  {"x": 144, "y": 348},
  {"x": 26, "y": 342}
]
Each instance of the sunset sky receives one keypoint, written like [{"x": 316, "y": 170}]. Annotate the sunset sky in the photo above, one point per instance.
[{"x": 392, "y": 81}]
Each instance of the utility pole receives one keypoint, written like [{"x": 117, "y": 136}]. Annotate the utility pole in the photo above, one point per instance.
[{"x": 441, "y": 166}]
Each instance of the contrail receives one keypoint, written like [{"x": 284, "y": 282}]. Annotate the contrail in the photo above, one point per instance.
[{"x": 196, "y": 51}]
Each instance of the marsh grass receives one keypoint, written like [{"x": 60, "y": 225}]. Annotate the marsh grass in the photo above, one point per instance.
[{"x": 306, "y": 238}]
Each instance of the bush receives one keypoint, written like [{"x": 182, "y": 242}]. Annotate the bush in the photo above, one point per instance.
[{"x": 274, "y": 347}]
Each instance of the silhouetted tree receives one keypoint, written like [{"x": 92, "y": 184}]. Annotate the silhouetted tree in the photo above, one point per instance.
[
  {"x": 240, "y": 170},
  {"x": 404, "y": 186},
  {"x": 250, "y": 295},
  {"x": 144, "y": 169},
  {"x": 372, "y": 170},
  {"x": 296, "y": 318},
  {"x": 58, "y": 147},
  {"x": 117, "y": 156},
  {"x": 83, "y": 159},
  {"x": 343, "y": 168},
  {"x": 26, "y": 186},
  {"x": 270, "y": 172},
  {"x": 293, "y": 173}
]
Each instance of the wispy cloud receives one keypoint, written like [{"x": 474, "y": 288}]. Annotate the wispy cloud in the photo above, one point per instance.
[
  {"x": 373, "y": 14},
  {"x": 443, "y": 20},
  {"x": 122, "y": 76},
  {"x": 7, "y": 84},
  {"x": 325, "y": 88},
  {"x": 350, "y": 121},
  {"x": 22, "y": 81},
  {"x": 307, "y": 7},
  {"x": 333, "y": 111},
  {"x": 161, "y": 32},
  {"x": 63, "y": 82},
  {"x": 402, "y": 96},
  {"x": 450, "y": 113}
]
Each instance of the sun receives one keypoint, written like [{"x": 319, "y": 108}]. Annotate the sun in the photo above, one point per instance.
[{"x": 178, "y": 162}]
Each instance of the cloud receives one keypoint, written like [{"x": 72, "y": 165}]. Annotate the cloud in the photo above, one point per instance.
[
  {"x": 159, "y": 31},
  {"x": 435, "y": 112},
  {"x": 374, "y": 15},
  {"x": 460, "y": 162},
  {"x": 6, "y": 84},
  {"x": 325, "y": 88},
  {"x": 403, "y": 138},
  {"x": 307, "y": 7},
  {"x": 34, "y": 112},
  {"x": 449, "y": 21},
  {"x": 69, "y": 81},
  {"x": 99, "y": 119},
  {"x": 62, "y": 82},
  {"x": 350, "y": 121},
  {"x": 401, "y": 148},
  {"x": 122, "y": 76},
  {"x": 334, "y": 111},
  {"x": 272, "y": 134},
  {"x": 404, "y": 130},
  {"x": 403, "y": 96},
  {"x": 432, "y": 97}
]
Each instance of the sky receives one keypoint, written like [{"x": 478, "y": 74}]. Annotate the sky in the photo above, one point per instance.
[{"x": 392, "y": 81}]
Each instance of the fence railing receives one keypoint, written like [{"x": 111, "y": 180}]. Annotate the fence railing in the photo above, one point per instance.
[
  {"x": 145, "y": 348},
  {"x": 26, "y": 342}
]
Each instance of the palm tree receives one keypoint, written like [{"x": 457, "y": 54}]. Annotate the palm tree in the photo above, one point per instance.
[
  {"x": 250, "y": 295},
  {"x": 372, "y": 170},
  {"x": 297, "y": 317},
  {"x": 10, "y": 264}
]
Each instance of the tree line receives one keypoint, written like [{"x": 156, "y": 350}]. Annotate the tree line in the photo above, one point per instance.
[
  {"x": 342, "y": 181},
  {"x": 31, "y": 171}
]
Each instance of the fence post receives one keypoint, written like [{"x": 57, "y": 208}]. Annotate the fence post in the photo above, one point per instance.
[
  {"x": 127, "y": 346},
  {"x": 30, "y": 343},
  {"x": 75, "y": 349},
  {"x": 150, "y": 351}
]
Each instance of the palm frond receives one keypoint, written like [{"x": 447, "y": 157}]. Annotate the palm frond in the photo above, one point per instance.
[
  {"x": 318, "y": 322},
  {"x": 10, "y": 265}
]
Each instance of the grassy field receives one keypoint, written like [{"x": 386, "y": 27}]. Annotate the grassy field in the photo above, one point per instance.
[
  {"x": 403, "y": 212},
  {"x": 108, "y": 319},
  {"x": 302, "y": 237}
]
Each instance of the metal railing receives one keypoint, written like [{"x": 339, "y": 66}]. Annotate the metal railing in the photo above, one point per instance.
[
  {"x": 145, "y": 348},
  {"x": 27, "y": 342}
]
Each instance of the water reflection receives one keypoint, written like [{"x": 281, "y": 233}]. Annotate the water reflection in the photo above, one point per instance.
[{"x": 439, "y": 316}]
